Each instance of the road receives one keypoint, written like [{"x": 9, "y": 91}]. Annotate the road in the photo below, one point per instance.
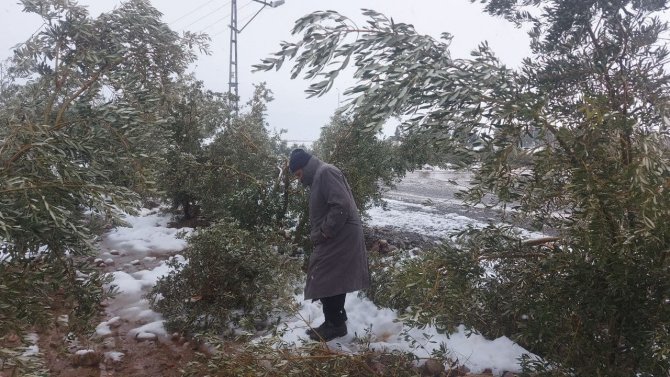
[
  {"x": 425, "y": 202},
  {"x": 437, "y": 189}
]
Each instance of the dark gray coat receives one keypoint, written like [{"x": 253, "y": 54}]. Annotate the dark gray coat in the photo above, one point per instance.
[{"x": 338, "y": 263}]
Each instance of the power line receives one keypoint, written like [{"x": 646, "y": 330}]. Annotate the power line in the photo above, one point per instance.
[
  {"x": 223, "y": 19},
  {"x": 191, "y": 12},
  {"x": 215, "y": 23},
  {"x": 250, "y": 14},
  {"x": 246, "y": 5},
  {"x": 205, "y": 16},
  {"x": 219, "y": 32}
]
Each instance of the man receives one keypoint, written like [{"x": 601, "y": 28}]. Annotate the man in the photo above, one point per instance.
[{"x": 338, "y": 263}]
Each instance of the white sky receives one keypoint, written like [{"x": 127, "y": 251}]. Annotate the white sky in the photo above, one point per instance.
[{"x": 301, "y": 117}]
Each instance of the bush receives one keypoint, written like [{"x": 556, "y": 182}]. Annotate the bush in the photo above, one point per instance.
[
  {"x": 560, "y": 300},
  {"x": 30, "y": 291},
  {"x": 426, "y": 289},
  {"x": 231, "y": 277},
  {"x": 196, "y": 115},
  {"x": 224, "y": 166}
]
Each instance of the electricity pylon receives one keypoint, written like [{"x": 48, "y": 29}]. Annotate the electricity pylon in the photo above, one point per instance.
[{"x": 234, "y": 31}]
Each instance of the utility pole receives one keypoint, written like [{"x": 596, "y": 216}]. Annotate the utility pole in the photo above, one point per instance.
[
  {"x": 232, "y": 67},
  {"x": 234, "y": 32}
]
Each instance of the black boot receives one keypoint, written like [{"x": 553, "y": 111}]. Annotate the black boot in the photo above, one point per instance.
[
  {"x": 327, "y": 331},
  {"x": 311, "y": 330}
]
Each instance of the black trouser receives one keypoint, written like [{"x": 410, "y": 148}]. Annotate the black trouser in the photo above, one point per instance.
[{"x": 333, "y": 309}]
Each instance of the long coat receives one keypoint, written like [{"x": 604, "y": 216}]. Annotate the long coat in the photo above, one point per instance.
[{"x": 338, "y": 263}]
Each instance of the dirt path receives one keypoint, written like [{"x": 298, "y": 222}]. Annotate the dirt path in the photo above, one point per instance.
[{"x": 117, "y": 348}]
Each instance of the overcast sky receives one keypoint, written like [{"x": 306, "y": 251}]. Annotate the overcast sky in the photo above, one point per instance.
[{"x": 291, "y": 110}]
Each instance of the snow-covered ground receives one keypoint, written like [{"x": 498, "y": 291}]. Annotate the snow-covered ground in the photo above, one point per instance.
[
  {"x": 383, "y": 331},
  {"x": 131, "y": 248},
  {"x": 420, "y": 218}
]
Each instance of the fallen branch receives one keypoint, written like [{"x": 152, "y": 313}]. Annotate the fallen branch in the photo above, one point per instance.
[{"x": 540, "y": 241}]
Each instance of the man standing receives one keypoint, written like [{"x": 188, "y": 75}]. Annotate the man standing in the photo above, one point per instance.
[{"x": 338, "y": 263}]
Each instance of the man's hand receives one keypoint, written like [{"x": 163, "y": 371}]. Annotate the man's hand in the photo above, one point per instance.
[{"x": 319, "y": 237}]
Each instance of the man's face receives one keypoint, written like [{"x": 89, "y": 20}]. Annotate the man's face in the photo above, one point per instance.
[{"x": 298, "y": 174}]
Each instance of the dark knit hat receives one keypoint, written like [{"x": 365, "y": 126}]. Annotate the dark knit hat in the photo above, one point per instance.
[{"x": 298, "y": 159}]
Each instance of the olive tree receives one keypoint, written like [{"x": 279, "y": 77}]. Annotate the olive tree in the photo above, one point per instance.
[
  {"x": 587, "y": 117},
  {"x": 81, "y": 124},
  {"x": 195, "y": 117},
  {"x": 239, "y": 269},
  {"x": 369, "y": 162},
  {"x": 243, "y": 169}
]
